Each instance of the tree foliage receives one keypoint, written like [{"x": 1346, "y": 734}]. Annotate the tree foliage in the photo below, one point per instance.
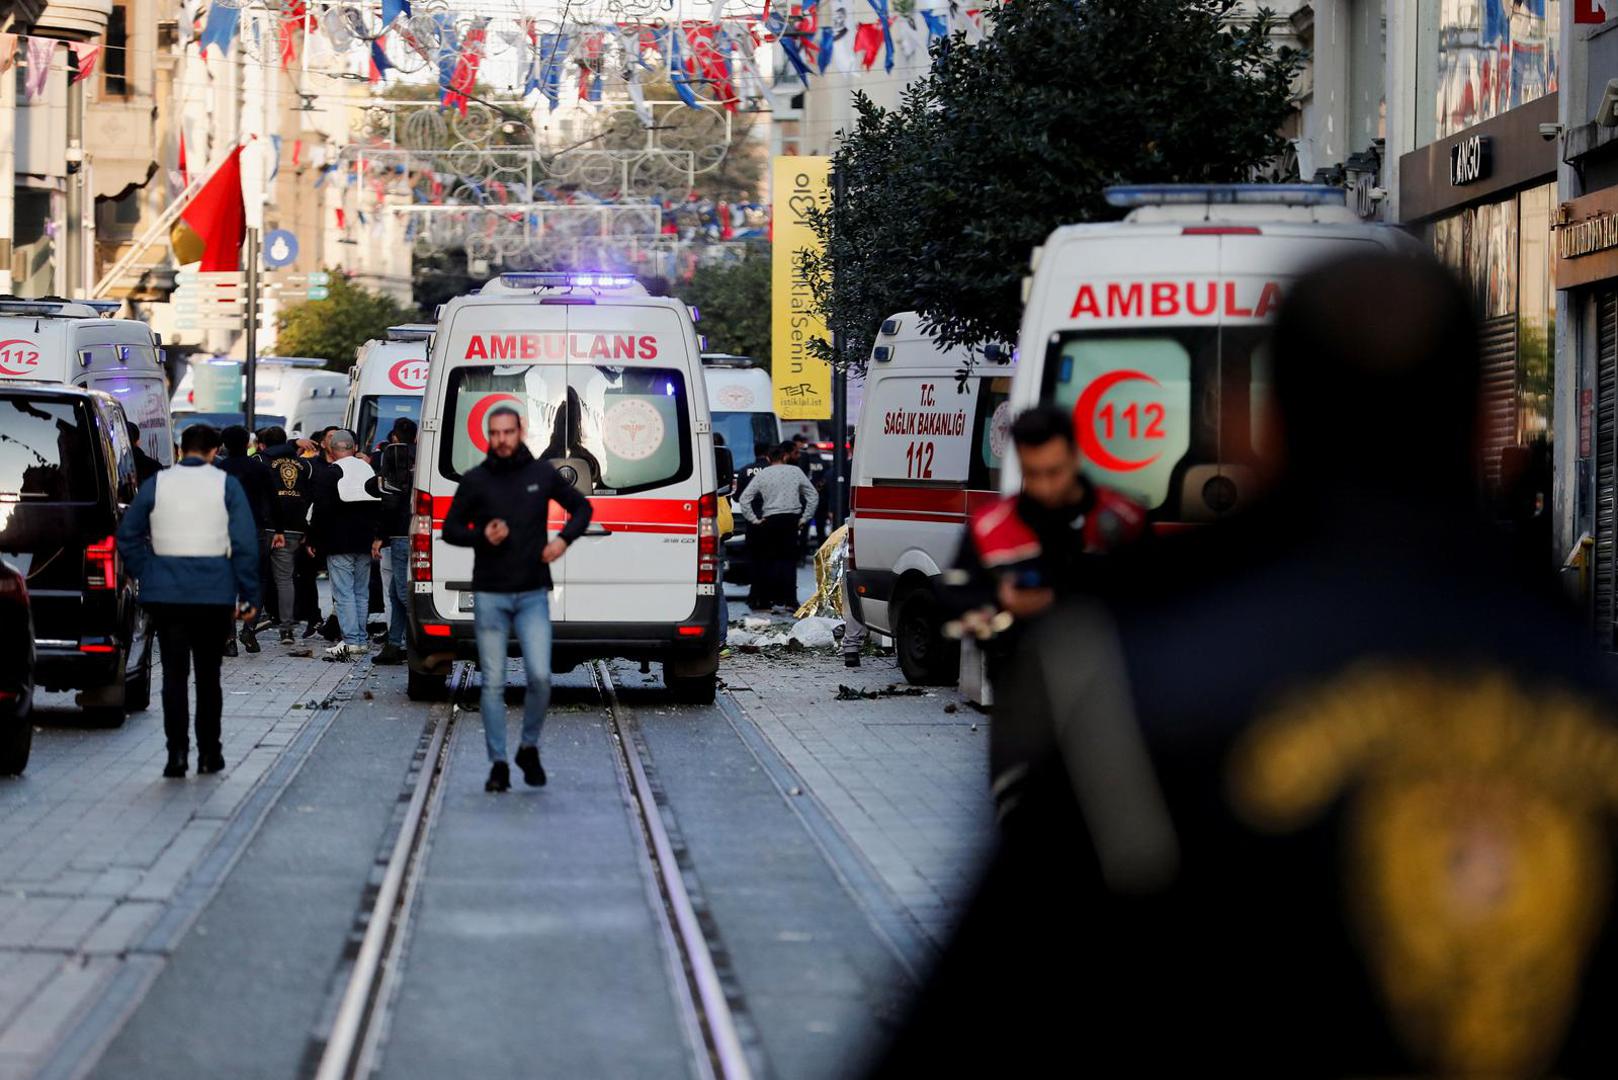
[
  {"x": 734, "y": 299},
  {"x": 945, "y": 197},
  {"x": 334, "y": 328}
]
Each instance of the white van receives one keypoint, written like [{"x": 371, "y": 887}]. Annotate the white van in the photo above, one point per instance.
[
  {"x": 1153, "y": 331},
  {"x": 611, "y": 383},
  {"x": 387, "y": 381},
  {"x": 739, "y": 400},
  {"x": 293, "y": 392},
  {"x": 932, "y": 434},
  {"x": 71, "y": 342}
]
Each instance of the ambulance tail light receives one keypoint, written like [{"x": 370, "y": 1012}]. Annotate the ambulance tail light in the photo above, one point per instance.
[
  {"x": 1221, "y": 230},
  {"x": 708, "y": 539},
  {"x": 421, "y": 539}
]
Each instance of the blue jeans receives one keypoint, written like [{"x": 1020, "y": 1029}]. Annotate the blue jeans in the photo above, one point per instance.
[
  {"x": 399, "y": 590},
  {"x": 350, "y": 593},
  {"x": 494, "y": 616}
]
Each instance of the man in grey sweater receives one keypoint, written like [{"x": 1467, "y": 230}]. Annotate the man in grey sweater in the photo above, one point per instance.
[{"x": 778, "y": 500}]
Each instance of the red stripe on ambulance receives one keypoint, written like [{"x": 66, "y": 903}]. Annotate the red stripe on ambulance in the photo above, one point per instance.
[{"x": 620, "y": 515}]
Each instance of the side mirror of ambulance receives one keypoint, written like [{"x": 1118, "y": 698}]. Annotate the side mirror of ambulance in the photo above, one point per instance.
[{"x": 724, "y": 469}]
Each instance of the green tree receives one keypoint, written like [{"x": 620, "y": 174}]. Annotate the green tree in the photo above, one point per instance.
[
  {"x": 945, "y": 197},
  {"x": 734, "y": 299},
  {"x": 334, "y": 328}
]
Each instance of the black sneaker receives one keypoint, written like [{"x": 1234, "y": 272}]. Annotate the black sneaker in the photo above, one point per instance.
[
  {"x": 175, "y": 769},
  {"x": 851, "y": 660},
  {"x": 250, "y": 639},
  {"x": 533, "y": 773},
  {"x": 208, "y": 763},
  {"x": 287, "y": 636},
  {"x": 330, "y": 630},
  {"x": 230, "y": 647},
  {"x": 499, "y": 777},
  {"x": 392, "y": 654},
  {"x": 311, "y": 630}
]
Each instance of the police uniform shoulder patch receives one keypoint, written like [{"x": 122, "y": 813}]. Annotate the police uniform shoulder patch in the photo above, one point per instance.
[
  {"x": 288, "y": 470},
  {"x": 1477, "y": 866}
]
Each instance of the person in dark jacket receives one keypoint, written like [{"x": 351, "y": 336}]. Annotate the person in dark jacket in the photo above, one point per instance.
[
  {"x": 259, "y": 483},
  {"x": 393, "y": 486},
  {"x": 342, "y": 527},
  {"x": 1329, "y": 788},
  {"x": 291, "y": 477},
  {"x": 146, "y": 466},
  {"x": 190, "y": 540},
  {"x": 501, "y": 510}
]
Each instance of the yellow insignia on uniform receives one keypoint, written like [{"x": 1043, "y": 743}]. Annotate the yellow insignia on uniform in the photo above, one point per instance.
[{"x": 1478, "y": 867}]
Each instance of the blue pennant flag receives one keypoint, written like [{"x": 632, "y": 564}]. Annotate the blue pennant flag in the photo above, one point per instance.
[
  {"x": 937, "y": 24},
  {"x": 392, "y": 9},
  {"x": 881, "y": 8},
  {"x": 379, "y": 58},
  {"x": 677, "y": 72},
  {"x": 275, "y": 164},
  {"x": 545, "y": 70},
  {"x": 449, "y": 46},
  {"x": 221, "y": 28},
  {"x": 828, "y": 40}
]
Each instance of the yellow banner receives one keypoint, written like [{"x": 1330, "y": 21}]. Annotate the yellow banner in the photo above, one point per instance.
[{"x": 802, "y": 383}]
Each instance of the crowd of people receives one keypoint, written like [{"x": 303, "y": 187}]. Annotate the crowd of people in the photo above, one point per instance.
[{"x": 227, "y": 553}]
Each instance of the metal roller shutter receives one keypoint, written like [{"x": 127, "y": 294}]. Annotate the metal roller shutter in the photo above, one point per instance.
[
  {"x": 1499, "y": 394},
  {"x": 1606, "y": 461}
]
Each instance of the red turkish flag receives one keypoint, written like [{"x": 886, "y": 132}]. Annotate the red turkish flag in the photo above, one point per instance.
[
  {"x": 214, "y": 224},
  {"x": 1589, "y": 11}
]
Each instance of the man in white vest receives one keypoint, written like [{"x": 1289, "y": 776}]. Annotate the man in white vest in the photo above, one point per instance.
[{"x": 190, "y": 540}]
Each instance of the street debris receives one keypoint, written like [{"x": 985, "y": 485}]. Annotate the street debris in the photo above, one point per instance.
[{"x": 853, "y": 693}]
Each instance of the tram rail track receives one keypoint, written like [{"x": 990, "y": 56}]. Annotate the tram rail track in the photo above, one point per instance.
[{"x": 359, "y": 1026}]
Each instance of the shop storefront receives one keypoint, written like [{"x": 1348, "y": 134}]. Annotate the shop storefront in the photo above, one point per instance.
[
  {"x": 1485, "y": 199},
  {"x": 1586, "y": 250}
]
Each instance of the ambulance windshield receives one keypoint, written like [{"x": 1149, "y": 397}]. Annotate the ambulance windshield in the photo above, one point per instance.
[{"x": 629, "y": 427}]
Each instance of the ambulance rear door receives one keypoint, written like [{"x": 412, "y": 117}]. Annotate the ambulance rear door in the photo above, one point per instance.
[{"x": 634, "y": 397}]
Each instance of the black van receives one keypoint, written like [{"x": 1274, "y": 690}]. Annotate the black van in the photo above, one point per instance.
[{"x": 67, "y": 473}]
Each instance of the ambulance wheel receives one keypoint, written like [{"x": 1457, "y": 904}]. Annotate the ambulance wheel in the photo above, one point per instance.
[
  {"x": 425, "y": 686},
  {"x": 691, "y": 690},
  {"x": 926, "y": 656}
]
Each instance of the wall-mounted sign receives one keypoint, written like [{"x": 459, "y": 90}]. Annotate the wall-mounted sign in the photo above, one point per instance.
[
  {"x": 1587, "y": 240},
  {"x": 1469, "y": 161}
]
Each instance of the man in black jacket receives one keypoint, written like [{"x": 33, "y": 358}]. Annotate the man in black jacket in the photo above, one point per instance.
[
  {"x": 257, "y": 482},
  {"x": 342, "y": 527},
  {"x": 395, "y": 463},
  {"x": 291, "y": 477},
  {"x": 501, "y": 511}
]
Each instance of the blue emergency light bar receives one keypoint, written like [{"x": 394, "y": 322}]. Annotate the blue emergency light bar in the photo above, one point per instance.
[
  {"x": 545, "y": 279},
  {"x": 1135, "y": 195},
  {"x": 104, "y": 308},
  {"x": 411, "y": 332}
]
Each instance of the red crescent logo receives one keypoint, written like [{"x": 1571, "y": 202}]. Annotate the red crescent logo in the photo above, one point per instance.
[
  {"x": 1084, "y": 422},
  {"x": 408, "y": 374},
  {"x": 475, "y": 426}
]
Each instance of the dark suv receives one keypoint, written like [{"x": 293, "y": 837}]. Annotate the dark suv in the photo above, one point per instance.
[{"x": 67, "y": 473}]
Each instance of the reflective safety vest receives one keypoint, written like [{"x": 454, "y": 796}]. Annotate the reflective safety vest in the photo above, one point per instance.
[{"x": 189, "y": 515}]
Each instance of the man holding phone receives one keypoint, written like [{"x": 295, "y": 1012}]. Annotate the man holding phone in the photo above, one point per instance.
[{"x": 1021, "y": 555}]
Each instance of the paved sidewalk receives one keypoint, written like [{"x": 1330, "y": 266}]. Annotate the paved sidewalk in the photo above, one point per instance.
[
  {"x": 94, "y": 843},
  {"x": 905, "y": 779}
]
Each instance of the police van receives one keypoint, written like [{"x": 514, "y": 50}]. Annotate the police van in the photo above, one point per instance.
[
  {"x": 1153, "y": 329},
  {"x": 610, "y": 382},
  {"x": 74, "y": 343},
  {"x": 933, "y": 432},
  {"x": 293, "y": 392},
  {"x": 387, "y": 381}
]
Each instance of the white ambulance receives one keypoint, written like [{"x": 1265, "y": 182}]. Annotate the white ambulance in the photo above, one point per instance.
[
  {"x": 73, "y": 342},
  {"x": 293, "y": 392},
  {"x": 611, "y": 383},
  {"x": 387, "y": 381},
  {"x": 739, "y": 401},
  {"x": 1153, "y": 331},
  {"x": 932, "y": 435}
]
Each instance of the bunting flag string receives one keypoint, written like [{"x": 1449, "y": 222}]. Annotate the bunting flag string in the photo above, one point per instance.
[
  {"x": 39, "y": 66},
  {"x": 220, "y": 28},
  {"x": 8, "y": 52},
  {"x": 85, "y": 55}
]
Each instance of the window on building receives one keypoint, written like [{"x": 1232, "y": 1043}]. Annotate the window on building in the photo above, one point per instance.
[{"x": 115, "y": 56}]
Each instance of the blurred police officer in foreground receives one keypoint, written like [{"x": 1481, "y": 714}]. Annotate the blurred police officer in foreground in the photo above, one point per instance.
[{"x": 1336, "y": 797}]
